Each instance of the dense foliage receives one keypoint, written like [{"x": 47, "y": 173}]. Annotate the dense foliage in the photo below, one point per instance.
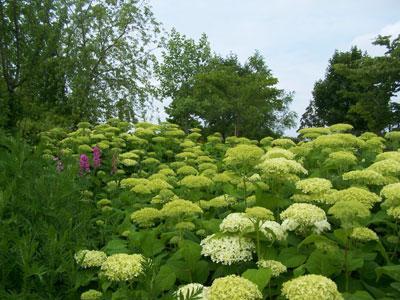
[
  {"x": 63, "y": 61},
  {"x": 359, "y": 89},
  {"x": 148, "y": 212},
  {"x": 221, "y": 94}
]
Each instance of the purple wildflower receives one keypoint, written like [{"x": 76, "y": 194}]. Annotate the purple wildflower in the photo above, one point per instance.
[
  {"x": 59, "y": 164},
  {"x": 84, "y": 165},
  {"x": 96, "y": 156}
]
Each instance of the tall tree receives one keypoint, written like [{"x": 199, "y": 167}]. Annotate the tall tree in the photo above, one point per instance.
[
  {"x": 358, "y": 89},
  {"x": 70, "y": 60},
  {"x": 221, "y": 94},
  {"x": 331, "y": 101}
]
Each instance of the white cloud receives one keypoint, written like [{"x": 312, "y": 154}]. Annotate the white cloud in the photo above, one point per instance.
[
  {"x": 364, "y": 41},
  {"x": 297, "y": 38}
]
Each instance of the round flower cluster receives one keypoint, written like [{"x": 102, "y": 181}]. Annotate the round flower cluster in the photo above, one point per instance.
[
  {"x": 233, "y": 287},
  {"x": 196, "y": 182},
  {"x": 364, "y": 234},
  {"x": 243, "y": 155},
  {"x": 313, "y": 185},
  {"x": 189, "y": 226},
  {"x": 307, "y": 198},
  {"x": 273, "y": 231},
  {"x": 394, "y": 212},
  {"x": 284, "y": 143},
  {"x": 187, "y": 170},
  {"x": 281, "y": 166},
  {"x": 303, "y": 217},
  {"x": 224, "y": 177},
  {"x": 227, "y": 249},
  {"x": 386, "y": 167},
  {"x": 350, "y": 210},
  {"x": 338, "y": 141},
  {"x": 340, "y": 127},
  {"x": 313, "y": 132},
  {"x": 259, "y": 213},
  {"x": 90, "y": 258},
  {"x": 391, "y": 193},
  {"x": 365, "y": 177},
  {"x": 189, "y": 290},
  {"x": 311, "y": 287},
  {"x": 278, "y": 152},
  {"x": 180, "y": 207},
  {"x": 236, "y": 222},
  {"x": 341, "y": 158},
  {"x": 395, "y": 155},
  {"x": 221, "y": 201},
  {"x": 276, "y": 266},
  {"x": 157, "y": 184},
  {"x": 146, "y": 217},
  {"x": 361, "y": 195},
  {"x": 91, "y": 295},
  {"x": 122, "y": 267}
]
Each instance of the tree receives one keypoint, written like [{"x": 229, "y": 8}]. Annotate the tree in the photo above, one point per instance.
[
  {"x": 182, "y": 59},
  {"x": 330, "y": 103},
  {"x": 233, "y": 99},
  {"x": 358, "y": 89},
  {"x": 64, "y": 61}
]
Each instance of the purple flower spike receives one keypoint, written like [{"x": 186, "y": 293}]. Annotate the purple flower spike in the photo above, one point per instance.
[
  {"x": 96, "y": 157},
  {"x": 60, "y": 165},
  {"x": 84, "y": 164}
]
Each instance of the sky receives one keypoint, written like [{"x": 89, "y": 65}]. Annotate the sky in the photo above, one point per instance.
[{"x": 296, "y": 37}]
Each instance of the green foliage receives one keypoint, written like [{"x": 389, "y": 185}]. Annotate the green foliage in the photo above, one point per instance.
[
  {"x": 358, "y": 89},
  {"x": 148, "y": 233},
  {"x": 221, "y": 93},
  {"x": 43, "y": 221},
  {"x": 67, "y": 61}
]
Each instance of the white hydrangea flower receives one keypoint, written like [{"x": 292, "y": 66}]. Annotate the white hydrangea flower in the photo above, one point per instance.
[
  {"x": 278, "y": 230},
  {"x": 303, "y": 217},
  {"x": 227, "y": 249},
  {"x": 236, "y": 222}
]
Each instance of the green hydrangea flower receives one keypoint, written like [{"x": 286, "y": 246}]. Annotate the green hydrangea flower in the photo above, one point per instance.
[
  {"x": 122, "y": 267},
  {"x": 233, "y": 287},
  {"x": 311, "y": 287}
]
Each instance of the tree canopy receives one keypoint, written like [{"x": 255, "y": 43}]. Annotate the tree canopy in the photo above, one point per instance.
[
  {"x": 358, "y": 89},
  {"x": 221, "y": 94},
  {"x": 64, "y": 61}
]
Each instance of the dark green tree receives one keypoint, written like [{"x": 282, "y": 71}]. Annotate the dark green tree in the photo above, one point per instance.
[
  {"x": 221, "y": 94},
  {"x": 331, "y": 100},
  {"x": 63, "y": 61},
  {"x": 240, "y": 100},
  {"x": 358, "y": 89}
]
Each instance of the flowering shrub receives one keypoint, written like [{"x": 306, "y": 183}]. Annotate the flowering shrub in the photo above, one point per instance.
[{"x": 183, "y": 216}]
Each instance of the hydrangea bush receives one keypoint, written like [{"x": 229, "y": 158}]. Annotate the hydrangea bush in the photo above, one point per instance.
[{"x": 186, "y": 216}]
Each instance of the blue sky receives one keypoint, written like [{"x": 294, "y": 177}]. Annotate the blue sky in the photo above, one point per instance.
[{"x": 296, "y": 37}]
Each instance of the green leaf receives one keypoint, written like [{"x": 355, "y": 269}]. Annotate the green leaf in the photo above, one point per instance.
[
  {"x": 354, "y": 261},
  {"x": 151, "y": 245},
  {"x": 165, "y": 279},
  {"x": 201, "y": 271},
  {"x": 116, "y": 246},
  {"x": 260, "y": 277},
  {"x": 291, "y": 258},
  {"x": 341, "y": 235},
  {"x": 391, "y": 271},
  {"x": 358, "y": 295},
  {"x": 299, "y": 271},
  {"x": 314, "y": 238},
  {"x": 191, "y": 252},
  {"x": 324, "y": 264}
]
